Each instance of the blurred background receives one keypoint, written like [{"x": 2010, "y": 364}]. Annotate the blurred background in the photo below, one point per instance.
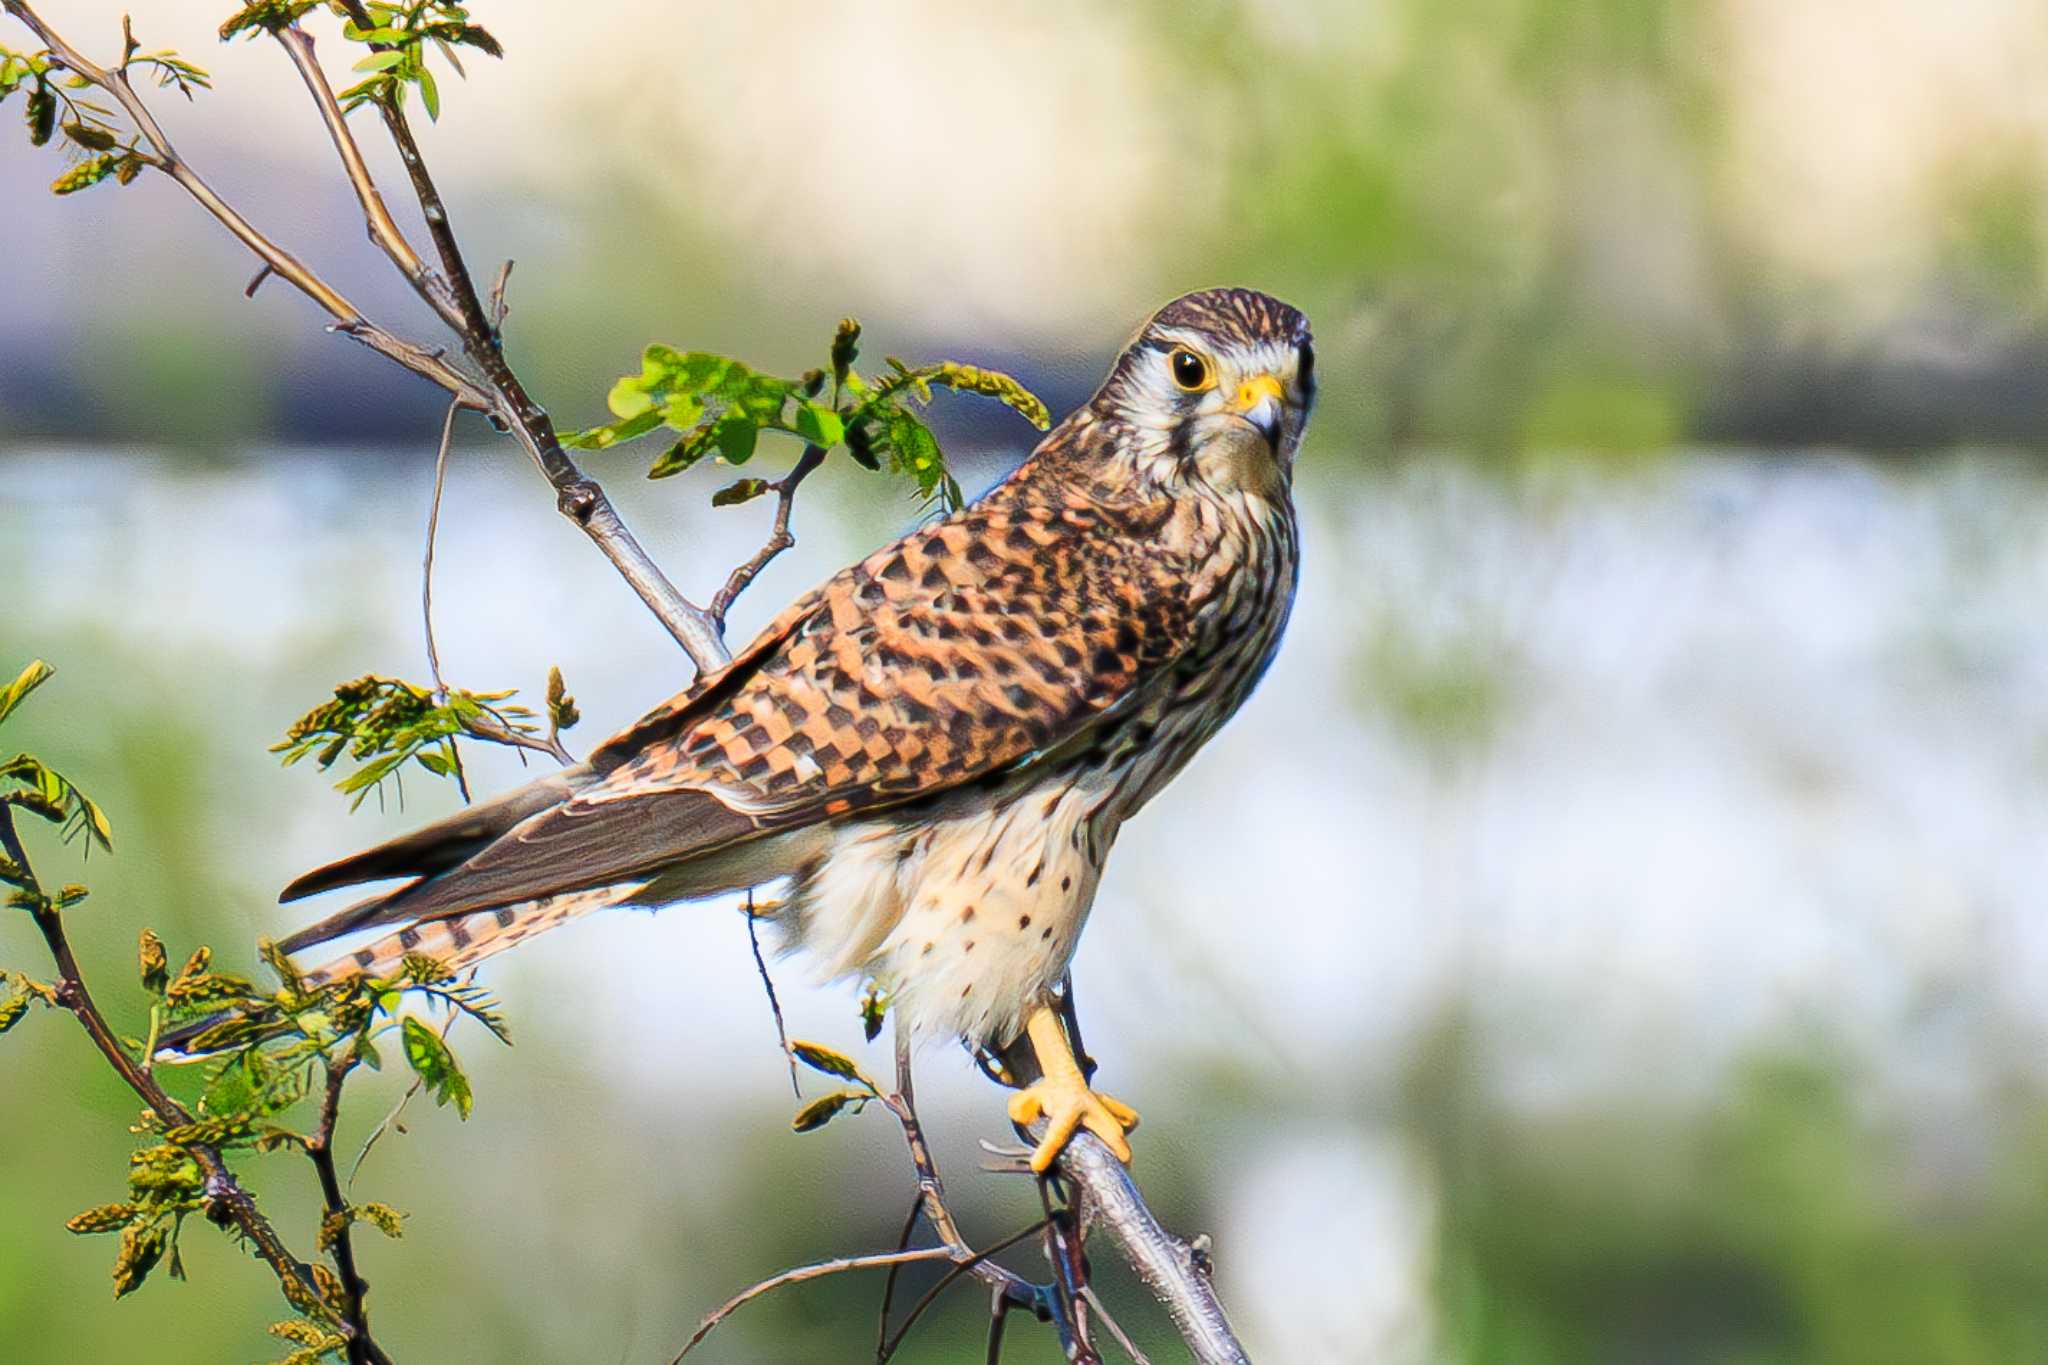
[{"x": 1612, "y": 934}]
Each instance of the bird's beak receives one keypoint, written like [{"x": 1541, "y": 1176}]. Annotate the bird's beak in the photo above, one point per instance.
[{"x": 1260, "y": 401}]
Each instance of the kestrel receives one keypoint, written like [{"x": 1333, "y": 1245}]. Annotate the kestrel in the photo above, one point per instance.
[{"x": 936, "y": 747}]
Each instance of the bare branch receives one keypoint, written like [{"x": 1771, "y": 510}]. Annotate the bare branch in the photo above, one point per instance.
[
  {"x": 774, "y": 1004},
  {"x": 797, "y": 1275},
  {"x": 946, "y": 1281},
  {"x": 383, "y": 228},
  {"x": 779, "y": 537}
]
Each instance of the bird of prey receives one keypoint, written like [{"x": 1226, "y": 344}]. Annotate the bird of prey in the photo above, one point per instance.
[{"x": 937, "y": 746}]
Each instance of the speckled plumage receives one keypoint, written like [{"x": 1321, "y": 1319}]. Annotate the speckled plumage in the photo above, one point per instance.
[{"x": 938, "y": 744}]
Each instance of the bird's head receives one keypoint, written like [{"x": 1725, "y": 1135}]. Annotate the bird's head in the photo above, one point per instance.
[{"x": 1215, "y": 387}]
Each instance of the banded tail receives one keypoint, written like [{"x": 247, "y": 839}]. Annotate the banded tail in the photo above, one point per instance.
[{"x": 456, "y": 943}]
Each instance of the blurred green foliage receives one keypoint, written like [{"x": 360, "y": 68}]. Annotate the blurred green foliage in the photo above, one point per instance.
[{"x": 1792, "y": 1220}]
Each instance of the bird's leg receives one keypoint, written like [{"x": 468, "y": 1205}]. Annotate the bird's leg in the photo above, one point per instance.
[{"x": 1061, "y": 1096}]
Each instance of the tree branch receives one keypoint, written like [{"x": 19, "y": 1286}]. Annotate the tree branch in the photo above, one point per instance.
[
  {"x": 578, "y": 496},
  {"x": 348, "y": 319},
  {"x": 321, "y": 1150},
  {"x": 226, "y": 1193},
  {"x": 779, "y": 537},
  {"x": 383, "y": 228},
  {"x": 1176, "y": 1272}
]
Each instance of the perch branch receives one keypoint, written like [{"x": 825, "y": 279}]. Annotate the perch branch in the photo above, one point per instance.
[
  {"x": 221, "y": 1187},
  {"x": 1176, "y": 1271}
]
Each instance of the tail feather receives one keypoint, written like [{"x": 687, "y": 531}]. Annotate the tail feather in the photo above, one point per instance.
[
  {"x": 445, "y": 843},
  {"x": 459, "y": 942},
  {"x": 456, "y": 943}
]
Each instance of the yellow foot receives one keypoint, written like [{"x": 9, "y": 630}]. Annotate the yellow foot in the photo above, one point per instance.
[{"x": 1066, "y": 1103}]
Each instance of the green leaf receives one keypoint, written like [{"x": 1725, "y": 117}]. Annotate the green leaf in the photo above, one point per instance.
[
  {"x": 736, "y": 436},
  {"x": 873, "y": 1006},
  {"x": 739, "y": 491},
  {"x": 825, "y": 1108},
  {"x": 917, "y": 450},
  {"x": 11, "y": 1010},
  {"x": 628, "y": 398},
  {"x": 821, "y": 1058},
  {"x": 32, "y": 677},
  {"x": 434, "y": 1064},
  {"x": 380, "y": 61},
  {"x": 682, "y": 412},
  {"x": 430, "y": 93},
  {"x": 821, "y": 426}
]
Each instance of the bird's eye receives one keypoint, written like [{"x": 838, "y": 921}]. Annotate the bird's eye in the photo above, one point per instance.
[
  {"x": 1190, "y": 371},
  {"x": 1305, "y": 368}
]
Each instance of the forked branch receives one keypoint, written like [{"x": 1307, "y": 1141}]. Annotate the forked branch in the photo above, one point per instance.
[{"x": 229, "y": 1201}]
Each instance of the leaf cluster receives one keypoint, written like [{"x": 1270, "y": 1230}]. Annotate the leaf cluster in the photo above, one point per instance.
[
  {"x": 99, "y": 149},
  {"x": 398, "y": 36},
  {"x": 384, "y": 723},
  {"x": 268, "y": 1050},
  {"x": 720, "y": 406},
  {"x": 821, "y": 1111}
]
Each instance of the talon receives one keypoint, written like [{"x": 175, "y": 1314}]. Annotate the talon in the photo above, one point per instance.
[
  {"x": 1067, "y": 1106},
  {"x": 1064, "y": 1099}
]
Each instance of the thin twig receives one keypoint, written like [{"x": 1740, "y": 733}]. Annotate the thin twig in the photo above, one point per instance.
[
  {"x": 799, "y": 1274},
  {"x": 779, "y": 537},
  {"x": 889, "y": 1283},
  {"x": 946, "y": 1281},
  {"x": 1130, "y": 1347},
  {"x": 427, "y": 557},
  {"x": 768, "y": 984},
  {"x": 321, "y": 1149},
  {"x": 1064, "y": 1230},
  {"x": 225, "y": 1192},
  {"x": 903, "y": 1104},
  {"x": 492, "y": 733}
]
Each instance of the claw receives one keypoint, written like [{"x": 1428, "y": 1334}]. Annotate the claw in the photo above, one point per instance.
[
  {"x": 1064, "y": 1099},
  {"x": 1066, "y": 1107}
]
